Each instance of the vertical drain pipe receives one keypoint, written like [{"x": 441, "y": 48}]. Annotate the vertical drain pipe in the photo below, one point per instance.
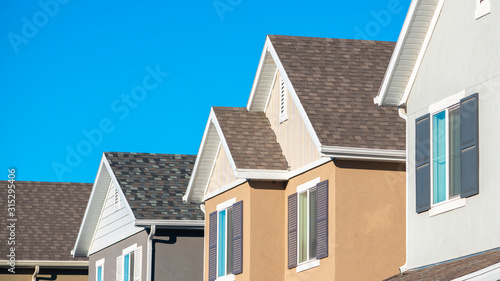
[
  {"x": 150, "y": 252},
  {"x": 35, "y": 274}
]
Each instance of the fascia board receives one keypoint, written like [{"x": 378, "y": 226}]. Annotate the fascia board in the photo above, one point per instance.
[
  {"x": 260, "y": 174},
  {"x": 48, "y": 263},
  {"x": 258, "y": 74},
  {"x": 364, "y": 153},
  {"x": 187, "y": 196},
  {"x": 380, "y": 98},
  {"x": 171, "y": 223},
  {"x": 88, "y": 209}
]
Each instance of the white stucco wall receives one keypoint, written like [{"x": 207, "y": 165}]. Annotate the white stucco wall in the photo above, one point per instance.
[{"x": 463, "y": 55}]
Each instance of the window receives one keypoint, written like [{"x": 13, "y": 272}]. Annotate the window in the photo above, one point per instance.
[
  {"x": 483, "y": 8},
  {"x": 226, "y": 241},
  {"x": 446, "y": 154},
  {"x": 308, "y": 225},
  {"x": 283, "y": 101},
  {"x": 128, "y": 265},
  {"x": 99, "y": 270}
]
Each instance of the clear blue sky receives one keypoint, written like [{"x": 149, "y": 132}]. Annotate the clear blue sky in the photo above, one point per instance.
[{"x": 81, "y": 77}]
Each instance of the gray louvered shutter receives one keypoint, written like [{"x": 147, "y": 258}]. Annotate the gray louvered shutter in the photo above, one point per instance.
[
  {"x": 422, "y": 163},
  {"x": 322, "y": 219},
  {"x": 469, "y": 146},
  {"x": 212, "y": 247},
  {"x": 292, "y": 231},
  {"x": 119, "y": 268},
  {"x": 238, "y": 237}
]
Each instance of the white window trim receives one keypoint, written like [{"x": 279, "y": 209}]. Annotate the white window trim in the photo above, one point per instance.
[
  {"x": 305, "y": 186},
  {"x": 443, "y": 105},
  {"x": 482, "y": 9},
  {"x": 446, "y": 206},
  {"x": 226, "y": 204},
  {"x": 129, "y": 249},
  {"x": 307, "y": 265},
  {"x": 229, "y": 277},
  {"x": 99, "y": 263}
]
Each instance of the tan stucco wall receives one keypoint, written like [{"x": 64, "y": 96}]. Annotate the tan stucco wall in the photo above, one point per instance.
[
  {"x": 370, "y": 219},
  {"x": 263, "y": 228}
]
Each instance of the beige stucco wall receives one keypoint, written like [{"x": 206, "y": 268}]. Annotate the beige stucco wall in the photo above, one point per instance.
[
  {"x": 263, "y": 228},
  {"x": 292, "y": 134}
]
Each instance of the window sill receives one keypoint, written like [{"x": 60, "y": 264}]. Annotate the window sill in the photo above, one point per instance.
[
  {"x": 229, "y": 277},
  {"x": 447, "y": 206},
  {"x": 307, "y": 265}
]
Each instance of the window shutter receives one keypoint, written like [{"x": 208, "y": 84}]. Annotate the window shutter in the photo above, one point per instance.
[
  {"x": 238, "y": 237},
  {"x": 469, "y": 146},
  {"x": 292, "y": 231},
  {"x": 422, "y": 163},
  {"x": 322, "y": 219},
  {"x": 119, "y": 268},
  {"x": 138, "y": 264},
  {"x": 212, "y": 247}
]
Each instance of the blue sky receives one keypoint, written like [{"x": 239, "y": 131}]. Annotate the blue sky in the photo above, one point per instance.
[{"x": 81, "y": 77}]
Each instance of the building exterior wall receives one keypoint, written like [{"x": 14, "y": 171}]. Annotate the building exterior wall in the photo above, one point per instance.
[
  {"x": 462, "y": 56},
  {"x": 263, "y": 228},
  {"x": 369, "y": 219},
  {"x": 292, "y": 134},
  {"x": 222, "y": 173},
  {"x": 110, "y": 254},
  {"x": 178, "y": 255}
]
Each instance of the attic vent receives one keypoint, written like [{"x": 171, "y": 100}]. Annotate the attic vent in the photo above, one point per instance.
[
  {"x": 116, "y": 196},
  {"x": 283, "y": 101}
]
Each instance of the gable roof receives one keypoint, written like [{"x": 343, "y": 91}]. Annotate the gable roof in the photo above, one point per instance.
[
  {"x": 48, "y": 215},
  {"x": 464, "y": 268},
  {"x": 154, "y": 184},
  {"x": 335, "y": 81},
  {"x": 151, "y": 185},
  {"x": 250, "y": 138},
  {"x": 410, "y": 48}
]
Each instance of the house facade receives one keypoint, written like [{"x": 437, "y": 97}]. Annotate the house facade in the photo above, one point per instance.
[
  {"x": 444, "y": 77},
  {"x": 307, "y": 181},
  {"x": 39, "y": 238},
  {"x": 136, "y": 226}
]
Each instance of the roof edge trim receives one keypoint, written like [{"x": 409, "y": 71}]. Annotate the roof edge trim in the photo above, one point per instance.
[
  {"x": 172, "y": 223},
  {"x": 364, "y": 153}
]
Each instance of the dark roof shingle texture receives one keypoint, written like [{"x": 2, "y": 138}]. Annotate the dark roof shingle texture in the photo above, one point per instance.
[
  {"x": 48, "y": 219},
  {"x": 155, "y": 183},
  {"x": 251, "y": 140},
  {"x": 336, "y": 81},
  {"x": 451, "y": 269}
]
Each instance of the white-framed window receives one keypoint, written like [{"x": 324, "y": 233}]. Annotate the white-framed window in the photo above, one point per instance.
[
  {"x": 99, "y": 266},
  {"x": 128, "y": 265},
  {"x": 483, "y": 8},
  {"x": 224, "y": 238},
  {"x": 283, "y": 101},
  {"x": 307, "y": 222}
]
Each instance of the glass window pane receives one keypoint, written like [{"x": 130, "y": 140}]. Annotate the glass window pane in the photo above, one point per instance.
[
  {"x": 99, "y": 273},
  {"x": 229, "y": 241},
  {"x": 221, "y": 244},
  {"x": 312, "y": 223},
  {"x": 303, "y": 227},
  {"x": 126, "y": 267},
  {"x": 439, "y": 157},
  {"x": 455, "y": 151}
]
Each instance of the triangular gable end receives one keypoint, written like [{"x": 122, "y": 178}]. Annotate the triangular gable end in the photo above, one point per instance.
[
  {"x": 269, "y": 65},
  {"x": 108, "y": 217}
]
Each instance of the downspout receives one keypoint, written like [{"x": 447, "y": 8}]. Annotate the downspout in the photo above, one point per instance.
[
  {"x": 150, "y": 251},
  {"x": 202, "y": 208},
  {"x": 35, "y": 274},
  {"x": 403, "y": 114}
]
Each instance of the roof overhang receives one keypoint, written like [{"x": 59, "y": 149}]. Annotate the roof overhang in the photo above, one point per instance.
[
  {"x": 172, "y": 224},
  {"x": 48, "y": 263},
  {"x": 93, "y": 211},
  {"x": 364, "y": 153},
  {"x": 408, "y": 53}
]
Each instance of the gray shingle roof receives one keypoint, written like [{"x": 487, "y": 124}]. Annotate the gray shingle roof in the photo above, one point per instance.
[
  {"x": 336, "y": 81},
  {"x": 451, "y": 269},
  {"x": 48, "y": 219},
  {"x": 155, "y": 183},
  {"x": 250, "y": 138}
]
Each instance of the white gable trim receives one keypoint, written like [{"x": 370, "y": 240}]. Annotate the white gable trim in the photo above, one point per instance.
[
  {"x": 223, "y": 140},
  {"x": 118, "y": 187},
  {"x": 178, "y": 224},
  {"x": 402, "y": 62},
  {"x": 364, "y": 153}
]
